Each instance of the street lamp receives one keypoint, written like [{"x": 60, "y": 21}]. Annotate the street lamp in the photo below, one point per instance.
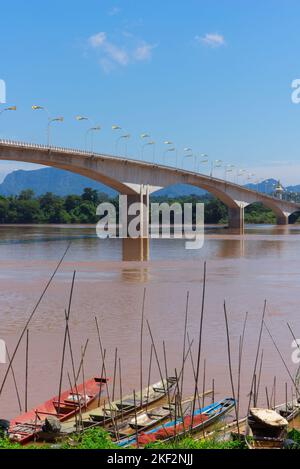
[
  {"x": 50, "y": 121},
  {"x": 151, "y": 142},
  {"x": 204, "y": 160},
  {"x": 168, "y": 142},
  {"x": 215, "y": 164},
  {"x": 240, "y": 173},
  {"x": 126, "y": 137},
  {"x": 169, "y": 150},
  {"x": 91, "y": 130},
  {"x": 188, "y": 154},
  {"x": 228, "y": 169},
  {"x": 94, "y": 128},
  {"x": 10, "y": 108}
]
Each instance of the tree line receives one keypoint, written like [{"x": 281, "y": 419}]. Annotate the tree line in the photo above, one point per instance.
[{"x": 51, "y": 208}]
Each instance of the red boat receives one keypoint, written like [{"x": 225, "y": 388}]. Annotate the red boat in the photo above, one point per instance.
[{"x": 24, "y": 427}]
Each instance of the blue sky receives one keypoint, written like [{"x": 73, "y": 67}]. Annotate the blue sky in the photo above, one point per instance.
[{"x": 214, "y": 75}]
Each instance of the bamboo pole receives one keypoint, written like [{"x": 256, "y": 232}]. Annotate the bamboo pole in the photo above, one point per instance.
[
  {"x": 230, "y": 367},
  {"x": 115, "y": 371},
  {"x": 282, "y": 359},
  {"x": 67, "y": 316},
  {"x": 26, "y": 370},
  {"x": 199, "y": 342},
  {"x": 257, "y": 353},
  {"x": 259, "y": 375},
  {"x": 105, "y": 375},
  {"x": 166, "y": 373},
  {"x": 15, "y": 381},
  {"x": 149, "y": 377},
  {"x": 184, "y": 339},
  {"x": 121, "y": 389},
  {"x": 102, "y": 372},
  {"x": 156, "y": 356},
  {"x": 141, "y": 347},
  {"x": 193, "y": 368},
  {"x": 30, "y": 318},
  {"x": 135, "y": 420},
  {"x": 267, "y": 396},
  {"x": 241, "y": 348}
]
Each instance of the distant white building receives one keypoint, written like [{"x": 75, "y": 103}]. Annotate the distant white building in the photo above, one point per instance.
[{"x": 279, "y": 191}]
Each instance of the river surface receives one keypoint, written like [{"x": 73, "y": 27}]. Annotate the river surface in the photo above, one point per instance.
[{"x": 245, "y": 270}]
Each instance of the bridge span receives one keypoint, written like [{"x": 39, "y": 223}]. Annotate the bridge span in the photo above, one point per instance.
[{"x": 138, "y": 179}]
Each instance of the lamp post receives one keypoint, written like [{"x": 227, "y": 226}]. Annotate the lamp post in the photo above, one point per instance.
[
  {"x": 91, "y": 130},
  {"x": 215, "y": 164},
  {"x": 204, "y": 160},
  {"x": 239, "y": 174},
  {"x": 125, "y": 137},
  {"x": 228, "y": 169},
  {"x": 116, "y": 128},
  {"x": 152, "y": 142},
  {"x": 171, "y": 149},
  {"x": 168, "y": 143},
  {"x": 144, "y": 136},
  {"x": 80, "y": 119},
  {"x": 50, "y": 120},
  {"x": 188, "y": 154},
  {"x": 94, "y": 128}
]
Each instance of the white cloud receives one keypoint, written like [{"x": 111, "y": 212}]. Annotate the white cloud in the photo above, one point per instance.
[
  {"x": 112, "y": 55},
  {"x": 97, "y": 40},
  {"x": 143, "y": 51},
  {"x": 211, "y": 39},
  {"x": 114, "y": 11}
]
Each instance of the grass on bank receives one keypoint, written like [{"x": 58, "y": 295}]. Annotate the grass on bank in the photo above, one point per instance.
[{"x": 97, "y": 438}]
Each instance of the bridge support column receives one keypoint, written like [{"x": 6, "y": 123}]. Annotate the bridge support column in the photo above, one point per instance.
[
  {"x": 282, "y": 219},
  {"x": 236, "y": 218},
  {"x": 137, "y": 248}
]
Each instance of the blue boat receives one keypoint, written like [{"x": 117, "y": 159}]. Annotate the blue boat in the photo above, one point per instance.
[{"x": 213, "y": 411}]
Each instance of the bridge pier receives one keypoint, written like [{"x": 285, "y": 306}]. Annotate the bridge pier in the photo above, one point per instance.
[
  {"x": 136, "y": 248},
  {"x": 282, "y": 219},
  {"x": 236, "y": 218}
]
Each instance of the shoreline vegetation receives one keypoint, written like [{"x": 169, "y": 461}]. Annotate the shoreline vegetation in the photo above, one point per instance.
[
  {"x": 98, "y": 438},
  {"x": 26, "y": 208}
]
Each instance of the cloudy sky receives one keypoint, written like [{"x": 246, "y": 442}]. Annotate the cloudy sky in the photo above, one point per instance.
[{"x": 213, "y": 75}]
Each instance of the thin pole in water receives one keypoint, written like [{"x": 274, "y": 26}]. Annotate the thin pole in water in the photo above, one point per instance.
[
  {"x": 184, "y": 338},
  {"x": 141, "y": 347},
  {"x": 26, "y": 371},
  {"x": 199, "y": 343},
  {"x": 30, "y": 317},
  {"x": 115, "y": 371},
  {"x": 230, "y": 367}
]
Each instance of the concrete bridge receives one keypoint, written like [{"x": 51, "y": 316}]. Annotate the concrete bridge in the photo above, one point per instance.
[{"x": 138, "y": 179}]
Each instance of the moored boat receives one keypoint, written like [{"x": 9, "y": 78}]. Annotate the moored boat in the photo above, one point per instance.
[
  {"x": 266, "y": 429},
  {"x": 24, "y": 427},
  {"x": 180, "y": 427}
]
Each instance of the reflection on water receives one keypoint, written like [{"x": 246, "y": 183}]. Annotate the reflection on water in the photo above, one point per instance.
[{"x": 244, "y": 270}]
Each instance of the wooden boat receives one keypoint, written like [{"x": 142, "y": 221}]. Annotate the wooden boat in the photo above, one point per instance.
[
  {"x": 24, "y": 427},
  {"x": 144, "y": 420},
  {"x": 130, "y": 403},
  {"x": 266, "y": 429},
  {"x": 179, "y": 428}
]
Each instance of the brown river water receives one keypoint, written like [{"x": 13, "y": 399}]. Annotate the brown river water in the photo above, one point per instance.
[{"x": 244, "y": 270}]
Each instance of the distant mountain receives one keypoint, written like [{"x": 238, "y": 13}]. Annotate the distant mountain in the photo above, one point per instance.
[
  {"x": 62, "y": 183},
  {"x": 266, "y": 186},
  {"x": 54, "y": 180}
]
